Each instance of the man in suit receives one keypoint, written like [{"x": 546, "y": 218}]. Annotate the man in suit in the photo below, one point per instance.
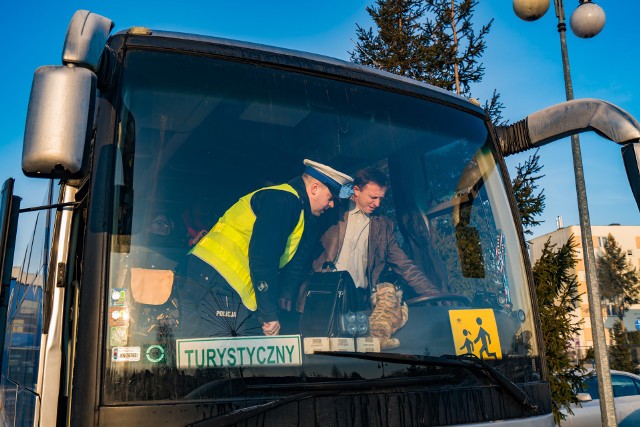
[{"x": 364, "y": 243}]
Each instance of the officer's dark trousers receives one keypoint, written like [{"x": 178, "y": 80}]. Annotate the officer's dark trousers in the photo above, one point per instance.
[{"x": 209, "y": 306}]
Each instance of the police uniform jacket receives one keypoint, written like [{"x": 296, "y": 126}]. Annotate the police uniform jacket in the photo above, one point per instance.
[
  {"x": 277, "y": 214},
  {"x": 277, "y": 218}
]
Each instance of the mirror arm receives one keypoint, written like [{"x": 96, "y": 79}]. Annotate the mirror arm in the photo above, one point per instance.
[
  {"x": 565, "y": 119},
  {"x": 572, "y": 117}
]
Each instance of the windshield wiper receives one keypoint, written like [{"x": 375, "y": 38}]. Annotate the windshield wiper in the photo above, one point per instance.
[
  {"x": 243, "y": 414},
  {"x": 467, "y": 361},
  {"x": 328, "y": 388},
  {"x": 318, "y": 389}
]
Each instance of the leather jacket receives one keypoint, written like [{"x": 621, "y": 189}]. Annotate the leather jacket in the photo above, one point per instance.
[{"x": 383, "y": 253}]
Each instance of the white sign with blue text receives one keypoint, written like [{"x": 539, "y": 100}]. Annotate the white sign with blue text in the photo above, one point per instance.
[{"x": 282, "y": 350}]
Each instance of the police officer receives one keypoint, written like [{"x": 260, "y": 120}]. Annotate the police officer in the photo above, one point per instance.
[{"x": 233, "y": 274}]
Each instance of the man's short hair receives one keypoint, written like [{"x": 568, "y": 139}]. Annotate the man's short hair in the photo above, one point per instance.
[{"x": 367, "y": 175}]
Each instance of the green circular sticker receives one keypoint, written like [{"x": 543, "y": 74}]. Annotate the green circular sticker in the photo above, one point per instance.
[{"x": 155, "y": 353}]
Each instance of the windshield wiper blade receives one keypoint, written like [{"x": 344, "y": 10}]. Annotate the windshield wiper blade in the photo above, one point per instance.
[
  {"x": 516, "y": 392},
  {"x": 319, "y": 389},
  {"x": 468, "y": 361},
  {"x": 407, "y": 359},
  {"x": 239, "y": 415}
]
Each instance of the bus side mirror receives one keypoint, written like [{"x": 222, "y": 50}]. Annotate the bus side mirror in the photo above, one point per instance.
[
  {"x": 631, "y": 159},
  {"x": 470, "y": 252},
  {"x": 86, "y": 36},
  {"x": 59, "y": 122}
]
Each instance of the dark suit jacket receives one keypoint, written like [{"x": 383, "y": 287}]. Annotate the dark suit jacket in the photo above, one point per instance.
[{"x": 384, "y": 252}]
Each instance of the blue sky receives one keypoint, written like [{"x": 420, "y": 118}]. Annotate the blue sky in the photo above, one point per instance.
[{"x": 522, "y": 62}]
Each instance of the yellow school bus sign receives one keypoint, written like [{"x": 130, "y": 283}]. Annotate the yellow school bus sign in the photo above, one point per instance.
[{"x": 475, "y": 332}]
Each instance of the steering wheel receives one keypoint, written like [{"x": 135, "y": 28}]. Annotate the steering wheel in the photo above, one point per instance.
[{"x": 430, "y": 299}]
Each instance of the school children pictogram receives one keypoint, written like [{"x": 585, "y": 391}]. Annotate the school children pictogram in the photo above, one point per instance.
[
  {"x": 475, "y": 332},
  {"x": 468, "y": 344}
]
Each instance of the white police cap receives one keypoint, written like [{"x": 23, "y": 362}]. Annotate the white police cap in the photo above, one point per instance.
[{"x": 330, "y": 177}]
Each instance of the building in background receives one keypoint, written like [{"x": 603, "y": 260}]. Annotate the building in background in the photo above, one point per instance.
[{"x": 628, "y": 237}]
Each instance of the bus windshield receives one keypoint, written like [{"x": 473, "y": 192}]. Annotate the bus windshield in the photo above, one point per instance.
[{"x": 197, "y": 133}]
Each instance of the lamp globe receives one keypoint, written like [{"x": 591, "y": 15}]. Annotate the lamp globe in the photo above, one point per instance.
[
  {"x": 587, "y": 20},
  {"x": 530, "y": 10}
]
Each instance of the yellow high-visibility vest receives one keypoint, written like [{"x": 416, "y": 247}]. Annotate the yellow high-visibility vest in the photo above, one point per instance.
[{"x": 226, "y": 246}]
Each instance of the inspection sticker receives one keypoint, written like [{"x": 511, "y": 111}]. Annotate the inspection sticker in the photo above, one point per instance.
[
  {"x": 282, "y": 350},
  {"x": 475, "y": 332},
  {"x": 118, "y": 297},
  {"x": 125, "y": 354},
  {"x": 118, "y": 336}
]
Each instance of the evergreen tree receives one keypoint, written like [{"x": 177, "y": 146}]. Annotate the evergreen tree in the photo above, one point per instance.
[
  {"x": 530, "y": 204},
  {"x": 618, "y": 279},
  {"x": 634, "y": 343},
  {"x": 620, "y": 350},
  {"x": 494, "y": 108},
  {"x": 634, "y": 338},
  {"x": 433, "y": 41},
  {"x": 589, "y": 356},
  {"x": 557, "y": 292}
]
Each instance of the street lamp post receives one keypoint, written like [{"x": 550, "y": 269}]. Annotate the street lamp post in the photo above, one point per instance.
[{"x": 587, "y": 21}]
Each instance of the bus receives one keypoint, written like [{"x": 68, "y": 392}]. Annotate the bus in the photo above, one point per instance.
[{"x": 146, "y": 129}]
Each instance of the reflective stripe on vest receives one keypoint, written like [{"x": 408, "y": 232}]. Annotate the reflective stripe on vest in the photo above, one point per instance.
[{"x": 226, "y": 246}]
